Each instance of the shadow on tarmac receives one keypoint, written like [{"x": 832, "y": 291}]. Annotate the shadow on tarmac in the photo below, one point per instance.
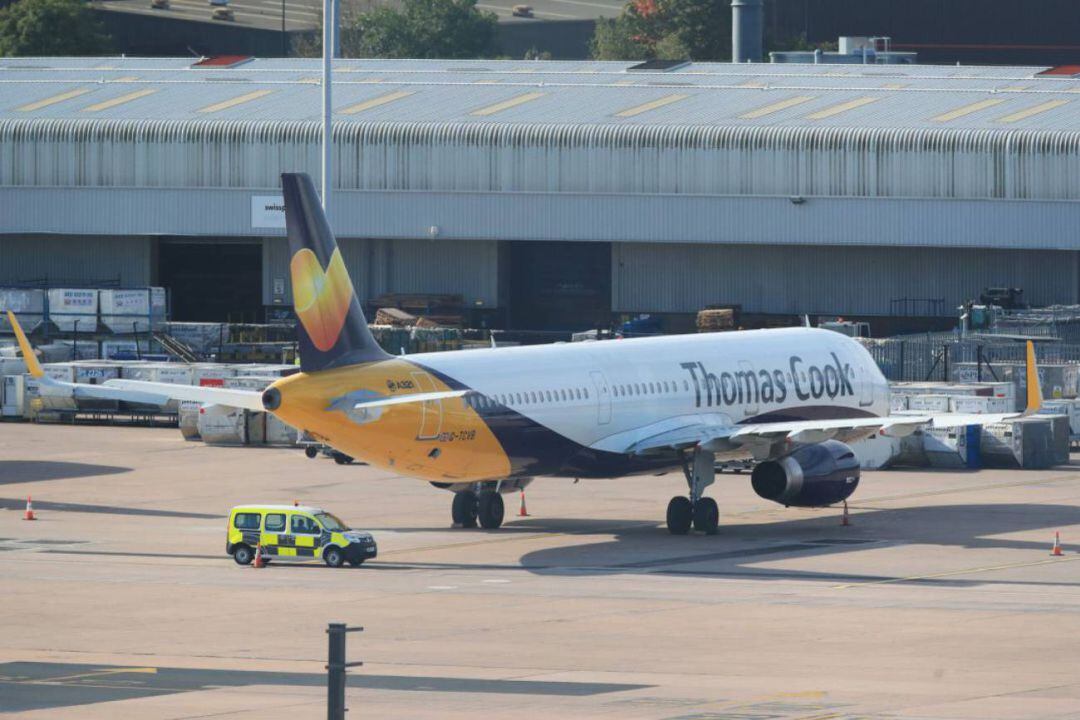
[
  {"x": 27, "y": 471},
  {"x": 45, "y": 685},
  {"x": 730, "y": 553}
]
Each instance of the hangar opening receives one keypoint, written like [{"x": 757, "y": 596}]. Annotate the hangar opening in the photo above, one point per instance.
[
  {"x": 560, "y": 285},
  {"x": 212, "y": 280}
]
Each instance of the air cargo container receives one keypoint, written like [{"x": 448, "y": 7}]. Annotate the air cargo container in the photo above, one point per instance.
[{"x": 73, "y": 310}]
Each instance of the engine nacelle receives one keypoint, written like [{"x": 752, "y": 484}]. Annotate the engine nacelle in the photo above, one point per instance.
[{"x": 812, "y": 476}]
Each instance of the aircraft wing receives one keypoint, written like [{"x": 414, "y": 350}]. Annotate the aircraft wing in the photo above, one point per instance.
[{"x": 713, "y": 437}]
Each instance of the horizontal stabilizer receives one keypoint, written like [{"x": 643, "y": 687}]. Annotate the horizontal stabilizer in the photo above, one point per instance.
[
  {"x": 403, "y": 399},
  {"x": 246, "y": 399}
]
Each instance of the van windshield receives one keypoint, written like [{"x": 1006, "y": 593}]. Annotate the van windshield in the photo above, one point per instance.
[{"x": 331, "y": 523}]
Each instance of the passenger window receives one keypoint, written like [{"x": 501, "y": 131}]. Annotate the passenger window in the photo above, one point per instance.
[
  {"x": 685, "y": 386},
  {"x": 275, "y": 523},
  {"x": 652, "y": 388},
  {"x": 246, "y": 521},
  {"x": 303, "y": 525},
  {"x": 586, "y": 393},
  {"x": 547, "y": 394}
]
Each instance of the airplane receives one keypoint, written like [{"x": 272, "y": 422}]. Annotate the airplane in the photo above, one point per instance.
[{"x": 484, "y": 422}]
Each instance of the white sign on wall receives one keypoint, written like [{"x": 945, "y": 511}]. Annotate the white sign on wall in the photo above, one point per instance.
[{"x": 268, "y": 211}]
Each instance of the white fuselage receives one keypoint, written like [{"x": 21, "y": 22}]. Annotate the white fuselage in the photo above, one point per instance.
[{"x": 602, "y": 394}]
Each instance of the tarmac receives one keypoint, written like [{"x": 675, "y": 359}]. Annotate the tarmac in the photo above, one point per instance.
[{"x": 940, "y": 601}]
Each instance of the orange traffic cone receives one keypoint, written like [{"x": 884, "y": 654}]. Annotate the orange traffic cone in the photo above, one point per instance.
[
  {"x": 845, "y": 520},
  {"x": 259, "y": 562},
  {"x": 523, "y": 512},
  {"x": 1056, "y": 551},
  {"x": 29, "y": 514}
]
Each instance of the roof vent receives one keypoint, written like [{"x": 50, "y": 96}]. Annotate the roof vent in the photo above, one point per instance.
[
  {"x": 1062, "y": 71},
  {"x": 223, "y": 61},
  {"x": 658, "y": 66}
]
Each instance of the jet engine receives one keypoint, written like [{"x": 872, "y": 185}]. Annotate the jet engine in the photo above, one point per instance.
[{"x": 812, "y": 476}]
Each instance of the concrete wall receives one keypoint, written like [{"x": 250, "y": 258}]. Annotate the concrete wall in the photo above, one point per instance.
[
  {"x": 468, "y": 268},
  {"x": 605, "y": 217},
  {"x": 649, "y": 277},
  {"x": 75, "y": 260}
]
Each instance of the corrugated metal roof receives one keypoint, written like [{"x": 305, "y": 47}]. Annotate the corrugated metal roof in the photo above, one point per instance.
[{"x": 564, "y": 93}]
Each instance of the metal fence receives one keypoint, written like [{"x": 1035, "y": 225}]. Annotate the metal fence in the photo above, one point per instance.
[{"x": 935, "y": 357}]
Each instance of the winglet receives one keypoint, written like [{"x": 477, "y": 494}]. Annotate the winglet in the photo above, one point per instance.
[
  {"x": 29, "y": 357},
  {"x": 1034, "y": 390}
]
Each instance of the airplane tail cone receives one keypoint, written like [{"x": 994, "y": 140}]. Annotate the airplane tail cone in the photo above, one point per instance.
[
  {"x": 259, "y": 562},
  {"x": 29, "y": 514},
  {"x": 1056, "y": 551},
  {"x": 523, "y": 512}
]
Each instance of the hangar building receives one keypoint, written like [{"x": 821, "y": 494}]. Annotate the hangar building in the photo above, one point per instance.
[{"x": 550, "y": 194}]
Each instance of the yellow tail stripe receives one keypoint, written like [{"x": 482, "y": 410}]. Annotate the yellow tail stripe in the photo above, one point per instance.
[
  {"x": 1034, "y": 390},
  {"x": 32, "y": 364}
]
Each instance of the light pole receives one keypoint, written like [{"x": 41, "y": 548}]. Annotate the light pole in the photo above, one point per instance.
[{"x": 327, "y": 138}]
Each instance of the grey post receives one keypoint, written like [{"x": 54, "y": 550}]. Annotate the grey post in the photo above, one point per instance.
[{"x": 335, "y": 670}]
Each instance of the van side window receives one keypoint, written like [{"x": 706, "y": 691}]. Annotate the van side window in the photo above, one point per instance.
[
  {"x": 302, "y": 525},
  {"x": 246, "y": 521},
  {"x": 275, "y": 523}
]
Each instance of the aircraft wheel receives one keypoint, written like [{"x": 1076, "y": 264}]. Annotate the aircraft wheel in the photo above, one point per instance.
[
  {"x": 706, "y": 516},
  {"x": 311, "y": 452},
  {"x": 491, "y": 510},
  {"x": 463, "y": 510},
  {"x": 680, "y": 515}
]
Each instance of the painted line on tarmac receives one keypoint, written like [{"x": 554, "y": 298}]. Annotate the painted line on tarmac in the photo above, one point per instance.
[
  {"x": 520, "y": 533},
  {"x": 952, "y": 491},
  {"x": 969, "y": 571},
  {"x": 20, "y": 504},
  {"x": 120, "y": 553}
]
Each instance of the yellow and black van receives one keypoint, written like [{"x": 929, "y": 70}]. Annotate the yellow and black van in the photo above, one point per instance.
[{"x": 295, "y": 532}]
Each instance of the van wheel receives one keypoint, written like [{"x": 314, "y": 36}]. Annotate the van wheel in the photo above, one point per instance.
[
  {"x": 243, "y": 555},
  {"x": 357, "y": 563},
  {"x": 333, "y": 557}
]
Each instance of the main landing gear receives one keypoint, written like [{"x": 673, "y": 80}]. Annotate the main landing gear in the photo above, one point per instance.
[
  {"x": 695, "y": 511},
  {"x": 485, "y": 507}
]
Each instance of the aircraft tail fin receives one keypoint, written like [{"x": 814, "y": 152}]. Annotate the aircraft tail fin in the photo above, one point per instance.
[
  {"x": 32, "y": 364},
  {"x": 1034, "y": 389},
  {"x": 332, "y": 330}
]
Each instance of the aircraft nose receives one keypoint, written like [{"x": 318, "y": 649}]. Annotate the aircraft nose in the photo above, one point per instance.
[{"x": 271, "y": 399}]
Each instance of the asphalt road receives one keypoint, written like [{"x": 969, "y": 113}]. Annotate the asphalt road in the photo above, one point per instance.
[{"x": 940, "y": 601}]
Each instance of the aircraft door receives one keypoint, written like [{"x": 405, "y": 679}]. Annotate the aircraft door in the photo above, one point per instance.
[
  {"x": 864, "y": 379},
  {"x": 430, "y": 410},
  {"x": 603, "y": 397}
]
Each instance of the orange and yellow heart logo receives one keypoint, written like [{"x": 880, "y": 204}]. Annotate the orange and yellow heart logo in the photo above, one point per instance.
[{"x": 322, "y": 299}]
